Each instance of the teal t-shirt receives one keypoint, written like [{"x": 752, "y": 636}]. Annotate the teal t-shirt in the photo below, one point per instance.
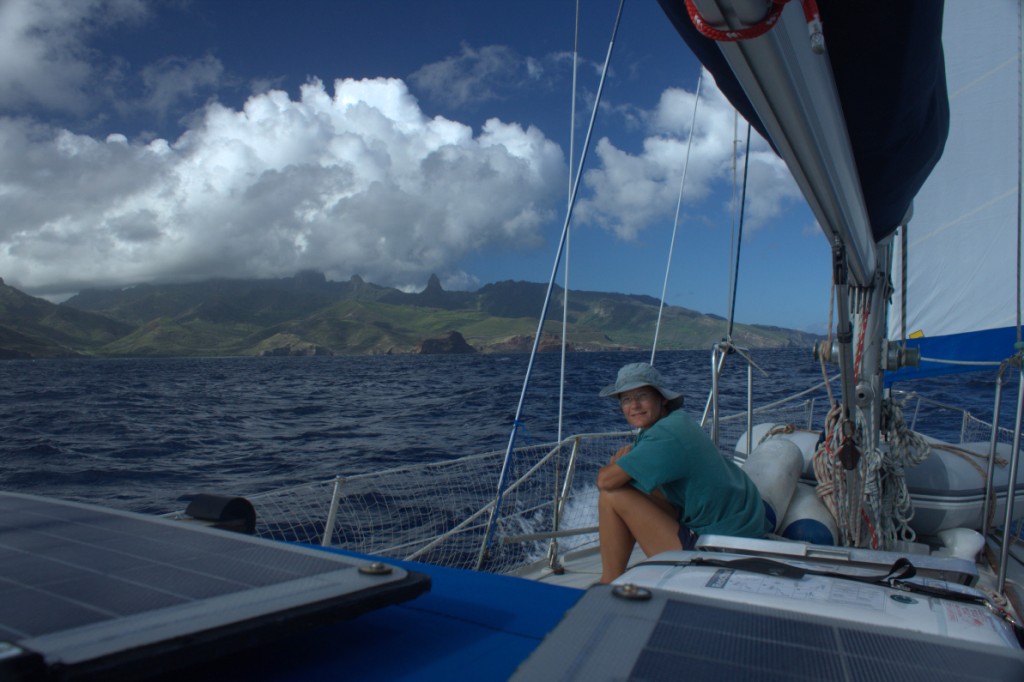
[{"x": 712, "y": 494}]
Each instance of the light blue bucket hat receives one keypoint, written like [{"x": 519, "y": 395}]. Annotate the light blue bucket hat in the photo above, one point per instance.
[{"x": 637, "y": 374}]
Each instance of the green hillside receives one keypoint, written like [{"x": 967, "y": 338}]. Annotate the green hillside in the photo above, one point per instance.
[
  {"x": 309, "y": 315},
  {"x": 37, "y": 328}
]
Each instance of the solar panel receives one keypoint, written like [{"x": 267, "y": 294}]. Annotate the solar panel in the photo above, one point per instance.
[
  {"x": 89, "y": 590},
  {"x": 656, "y": 636}
]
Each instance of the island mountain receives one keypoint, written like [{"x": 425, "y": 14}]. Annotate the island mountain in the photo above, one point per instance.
[{"x": 310, "y": 315}]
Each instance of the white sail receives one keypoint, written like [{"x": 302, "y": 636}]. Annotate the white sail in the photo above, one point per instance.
[{"x": 962, "y": 241}]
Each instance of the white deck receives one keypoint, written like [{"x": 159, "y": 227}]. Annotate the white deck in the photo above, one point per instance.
[{"x": 582, "y": 568}]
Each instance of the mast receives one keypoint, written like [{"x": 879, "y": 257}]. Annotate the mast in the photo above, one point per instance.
[
  {"x": 789, "y": 83},
  {"x": 785, "y": 76}
]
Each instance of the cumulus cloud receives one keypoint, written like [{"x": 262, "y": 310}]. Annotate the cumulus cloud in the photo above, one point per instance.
[
  {"x": 478, "y": 75},
  {"x": 629, "y": 191},
  {"x": 44, "y": 59},
  {"x": 173, "y": 79},
  {"x": 355, "y": 182}
]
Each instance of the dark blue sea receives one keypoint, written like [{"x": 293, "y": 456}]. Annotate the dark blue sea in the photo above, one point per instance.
[{"x": 147, "y": 434}]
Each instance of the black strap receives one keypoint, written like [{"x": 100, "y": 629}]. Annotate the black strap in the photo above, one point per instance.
[
  {"x": 897, "y": 578},
  {"x": 901, "y": 569}
]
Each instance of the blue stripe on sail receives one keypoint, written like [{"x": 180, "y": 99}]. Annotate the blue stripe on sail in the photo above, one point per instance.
[{"x": 989, "y": 345}]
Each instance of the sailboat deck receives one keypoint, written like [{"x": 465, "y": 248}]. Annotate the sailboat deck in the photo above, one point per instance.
[{"x": 582, "y": 568}]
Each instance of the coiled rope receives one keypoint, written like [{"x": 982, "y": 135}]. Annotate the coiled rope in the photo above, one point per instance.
[
  {"x": 885, "y": 510},
  {"x": 906, "y": 449},
  {"x": 878, "y": 513},
  {"x": 832, "y": 483}
]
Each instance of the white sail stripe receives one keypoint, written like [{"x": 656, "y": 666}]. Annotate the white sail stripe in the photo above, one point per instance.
[
  {"x": 978, "y": 363},
  {"x": 1009, "y": 62},
  {"x": 1008, "y": 194}
]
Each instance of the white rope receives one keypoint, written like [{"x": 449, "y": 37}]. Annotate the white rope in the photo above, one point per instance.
[
  {"x": 879, "y": 496},
  {"x": 906, "y": 449},
  {"x": 830, "y": 488}
]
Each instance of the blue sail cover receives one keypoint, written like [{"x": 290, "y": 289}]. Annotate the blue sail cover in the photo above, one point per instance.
[{"x": 887, "y": 61}]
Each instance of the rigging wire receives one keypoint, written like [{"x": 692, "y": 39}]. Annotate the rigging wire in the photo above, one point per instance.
[
  {"x": 828, "y": 343},
  {"x": 675, "y": 223},
  {"x": 733, "y": 201},
  {"x": 726, "y": 346},
  {"x": 739, "y": 239},
  {"x": 517, "y": 422},
  {"x": 1020, "y": 167},
  {"x": 565, "y": 287},
  {"x": 553, "y": 546},
  {"x": 904, "y": 243},
  {"x": 1019, "y": 346}
]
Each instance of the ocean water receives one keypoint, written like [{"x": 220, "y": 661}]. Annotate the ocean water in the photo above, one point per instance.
[{"x": 147, "y": 434}]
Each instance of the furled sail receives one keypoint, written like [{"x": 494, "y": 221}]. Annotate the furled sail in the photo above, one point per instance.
[
  {"x": 860, "y": 126},
  {"x": 904, "y": 74},
  {"x": 962, "y": 244}
]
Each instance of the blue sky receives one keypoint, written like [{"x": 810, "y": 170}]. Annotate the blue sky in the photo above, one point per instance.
[{"x": 177, "y": 140}]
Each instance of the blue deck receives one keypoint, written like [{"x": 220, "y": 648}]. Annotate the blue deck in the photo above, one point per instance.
[{"x": 470, "y": 625}]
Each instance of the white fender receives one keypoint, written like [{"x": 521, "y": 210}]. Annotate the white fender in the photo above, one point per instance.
[
  {"x": 807, "y": 441},
  {"x": 774, "y": 466},
  {"x": 808, "y": 519},
  {"x": 962, "y": 543}
]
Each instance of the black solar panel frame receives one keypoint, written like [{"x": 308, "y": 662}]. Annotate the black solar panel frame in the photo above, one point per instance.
[{"x": 90, "y": 592}]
